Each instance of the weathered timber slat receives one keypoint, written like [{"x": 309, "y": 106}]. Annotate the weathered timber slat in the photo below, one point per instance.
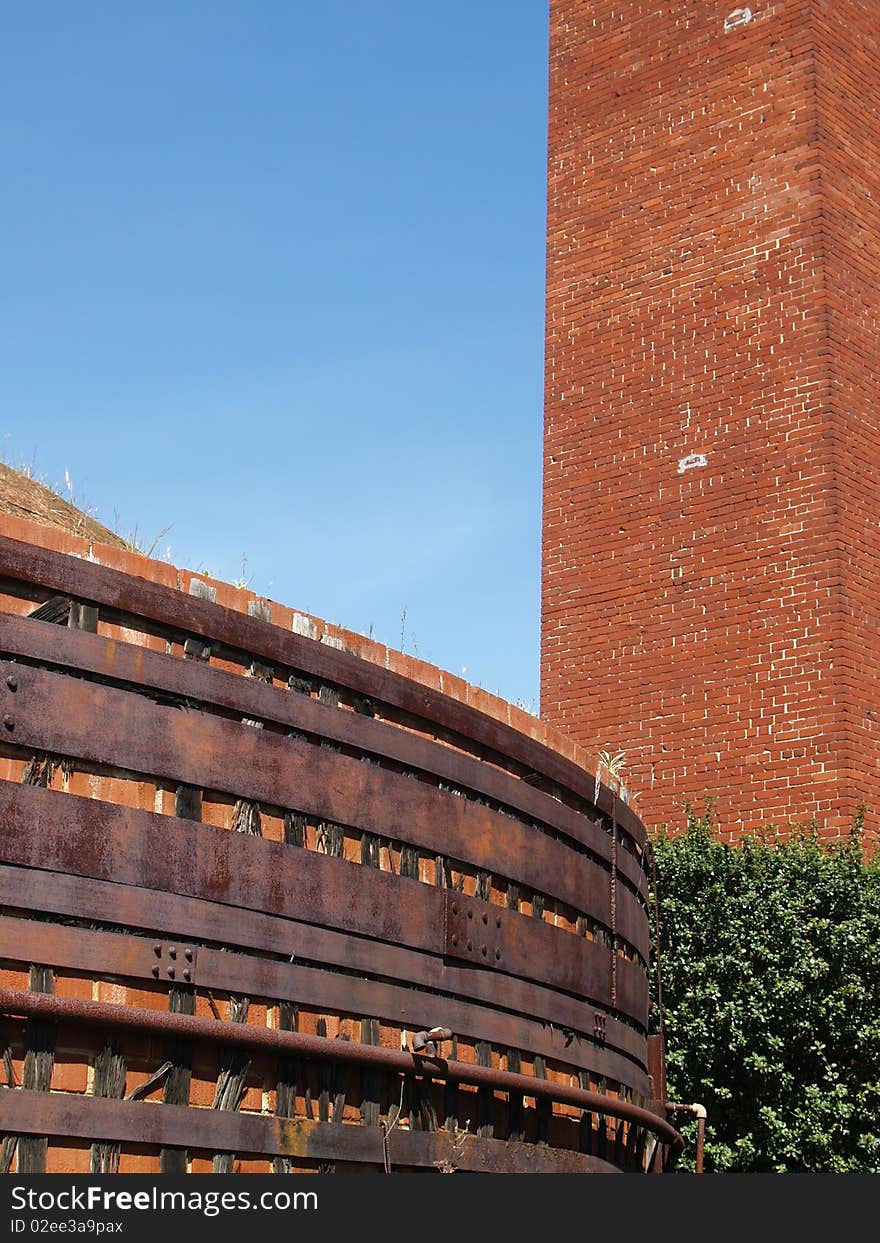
[
  {"x": 99, "y": 724},
  {"x": 193, "y": 680},
  {"x": 86, "y": 837},
  {"x": 134, "y": 958},
  {"x": 104, "y": 586},
  {"x": 207, "y": 1130},
  {"x": 193, "y": 918}
]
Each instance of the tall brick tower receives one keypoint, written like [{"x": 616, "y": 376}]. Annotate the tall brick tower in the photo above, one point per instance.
[{"x": 711, "y": 558}]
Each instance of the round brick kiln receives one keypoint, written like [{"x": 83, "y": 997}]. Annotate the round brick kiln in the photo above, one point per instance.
[{"x": 270, "y": 903}]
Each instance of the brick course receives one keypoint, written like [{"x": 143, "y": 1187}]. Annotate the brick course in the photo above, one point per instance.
[{"x": 710, "y": 545}]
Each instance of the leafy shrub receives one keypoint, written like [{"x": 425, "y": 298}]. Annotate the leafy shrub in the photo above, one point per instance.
[{"x": 770, "y": 963}]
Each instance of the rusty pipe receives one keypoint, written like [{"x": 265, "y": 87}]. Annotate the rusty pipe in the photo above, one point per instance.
[
  {"x": 19, "y": 1002},
  {"x": 699, "y": 1112}
]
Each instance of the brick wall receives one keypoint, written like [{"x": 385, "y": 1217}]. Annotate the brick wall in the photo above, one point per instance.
[{"x": 712, "y": 448}]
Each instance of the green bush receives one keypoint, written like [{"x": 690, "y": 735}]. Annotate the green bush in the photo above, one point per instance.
[{"x": 770, "y": 964}]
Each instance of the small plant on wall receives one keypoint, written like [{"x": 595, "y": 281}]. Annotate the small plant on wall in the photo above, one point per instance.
[{"x": 612, "y": 764}]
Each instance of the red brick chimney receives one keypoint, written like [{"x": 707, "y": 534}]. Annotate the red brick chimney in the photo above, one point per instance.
[{"x": 711, "y": 557}]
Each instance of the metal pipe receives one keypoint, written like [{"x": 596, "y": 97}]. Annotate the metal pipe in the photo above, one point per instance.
[
  {"x": 699, "y": 1111},
  {"x": 132, "y": 1018}
]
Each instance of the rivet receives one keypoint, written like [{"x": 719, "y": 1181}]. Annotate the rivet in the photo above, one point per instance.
[
  {"x": 470, "y": 945},
  {"x": 156, "y": 972},
  {"x": 497, "y": 921},
  {"x": 497, "y": 955},
  {"x": 470, "y": 914},
  {"x": 9, "y": 722},
  {"x": 455, "y": 908},
  {"x": 157, "y": 949},
  {"x": 484, "y": 951},
  {"x": 485, "y": 919},
  {"x": 172, "y": 951},
  {"x": 188, "y": 955},
  {"x": 187, "y": 975},
  {"x": 12, "y": 683},
  {"x": 455, "y": 940},
  {"x": 171, "y": 973}
]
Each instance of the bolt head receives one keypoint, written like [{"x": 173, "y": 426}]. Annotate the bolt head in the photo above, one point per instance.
[
  {"x": 9, "y": 722},
  {"x": 12, "y": 682},
  {"x": 171, "y": 973}
]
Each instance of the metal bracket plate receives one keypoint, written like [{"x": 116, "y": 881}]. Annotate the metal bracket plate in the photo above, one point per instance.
[
  {"x": 175, "y": 962},
  {"x": 473, "y": 930}
]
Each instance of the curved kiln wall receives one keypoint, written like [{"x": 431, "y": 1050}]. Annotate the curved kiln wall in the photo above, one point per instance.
[{"x": 223, "y": 817}]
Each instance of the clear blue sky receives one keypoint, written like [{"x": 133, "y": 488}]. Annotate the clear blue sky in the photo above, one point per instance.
[{"x": 272, "y": 274}]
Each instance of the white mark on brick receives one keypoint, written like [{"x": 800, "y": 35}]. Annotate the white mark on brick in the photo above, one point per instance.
[
  {"x": 331, "y": 641},
  {"x": 692, "y": 462},
  {"x": 304, "y": 625},
  {"x": 739, "y": 17}
]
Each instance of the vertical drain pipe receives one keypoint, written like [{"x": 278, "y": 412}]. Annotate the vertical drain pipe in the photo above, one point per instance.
[{"x": 699, "y": 1112}]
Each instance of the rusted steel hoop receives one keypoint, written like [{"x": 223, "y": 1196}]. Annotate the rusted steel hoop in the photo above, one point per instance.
[
  {"x": 174, "y": 610},
  {"x": 184, "y": 919},
  {"x": 79, "y": 719},
  {"x": 210, "y": 1130},
  {"x": 45, "y": 1006},
  {"x": 192, "y": 919},
  {"x": 129, "y": 957},
  {"x": 83, "y": 836},
  {"x": 148, "y": 671}
]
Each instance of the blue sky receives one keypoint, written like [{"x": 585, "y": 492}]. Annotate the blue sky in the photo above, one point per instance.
[{"x": 272, "y": 274}]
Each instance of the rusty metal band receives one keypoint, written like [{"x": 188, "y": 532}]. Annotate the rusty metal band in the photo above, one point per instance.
[
  {"x": 129, "y": 957},
  {"x": 211, "y": 1130},
  {"x": 191, "y": 919},
  {"x": 87, "y": 837},
  {"x": 195, "y": 681},
  {"x": 273, "y": 1041},
  {"x": 252, "y": 636},
  {"x": 92, "y": 722},
  {"x": 98, "y": 724}
]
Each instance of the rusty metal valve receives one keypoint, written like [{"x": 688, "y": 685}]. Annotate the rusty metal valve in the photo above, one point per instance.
[{"x": 426, "y": 1042}]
